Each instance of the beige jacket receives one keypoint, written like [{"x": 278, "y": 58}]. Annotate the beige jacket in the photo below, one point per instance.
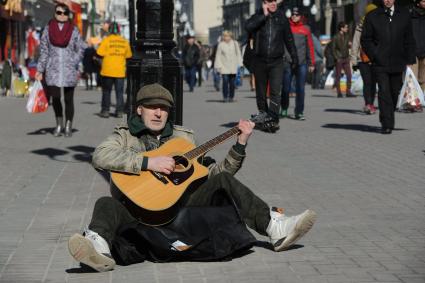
[
  {"x": 123, "y": 152},
  {"x": 228, "y": 57}
]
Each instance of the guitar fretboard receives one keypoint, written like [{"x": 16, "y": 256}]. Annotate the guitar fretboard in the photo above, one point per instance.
[{"x": 205, "y": 147}]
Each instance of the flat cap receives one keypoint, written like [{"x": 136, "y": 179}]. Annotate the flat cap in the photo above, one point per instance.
[{"x": 154, "y": 94}]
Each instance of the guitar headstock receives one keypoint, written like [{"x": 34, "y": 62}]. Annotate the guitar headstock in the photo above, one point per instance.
[{"x": 264, "y": 122}]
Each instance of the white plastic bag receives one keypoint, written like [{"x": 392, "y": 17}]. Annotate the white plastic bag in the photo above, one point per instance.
[
  {"x": 357, "y": 83},
  {"x": 37, "y": 101},
  {"x": 411, "y": 96},
  {"x": 330, "y": 81}
]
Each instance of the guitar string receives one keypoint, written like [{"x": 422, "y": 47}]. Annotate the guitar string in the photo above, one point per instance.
[{"x": 205, "y": 147}]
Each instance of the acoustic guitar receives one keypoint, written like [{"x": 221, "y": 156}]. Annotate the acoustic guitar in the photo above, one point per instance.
[{"x": 153, "y": 197}]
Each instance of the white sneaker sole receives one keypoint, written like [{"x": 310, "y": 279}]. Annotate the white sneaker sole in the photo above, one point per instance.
[
  {"x": 82, "y": 250},
  {"x": 303, "y": 225}
]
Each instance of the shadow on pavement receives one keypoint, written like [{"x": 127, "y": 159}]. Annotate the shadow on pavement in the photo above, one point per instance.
[
  {"x": 44, "y": 131},
  {"x": 357, "y": 127},
  {"x": 80, "y": 153},
  {"x": 41, "y": 131},
  {"x": 82, "y": 269},
  {"x": 50, "y": 152},
  {"x": 354, "y": 127},
  {"x": 323, "y": 95},
  {"x": 269, "y": 246},
  {"x": 215, "y": 100},
  {"x": 83, "y": 153},
  {"x": 90, "y": 102},
  {"x": 229, "y": 125},
  {"x": 351, "y": 111}
]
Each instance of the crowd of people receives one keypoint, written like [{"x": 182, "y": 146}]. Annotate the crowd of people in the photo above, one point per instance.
[{"x": 285, "y": 55}]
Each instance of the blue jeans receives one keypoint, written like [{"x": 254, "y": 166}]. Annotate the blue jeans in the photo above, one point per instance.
[
  {"x": 107, "y": 83},
  {"x": 190, "y": 73},
  {"x": 216, "y": 77},
  {"x": 228, "y": 86},
  {"x": 300, "y": 77}
]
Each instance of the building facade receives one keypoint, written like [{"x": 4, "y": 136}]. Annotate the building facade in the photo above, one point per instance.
[
  {"x": 207, "y": 14},
  {"x": 235, "y": 13}
]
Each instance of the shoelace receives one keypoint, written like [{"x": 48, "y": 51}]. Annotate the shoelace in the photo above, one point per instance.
[{"x": 90, "y": 234}]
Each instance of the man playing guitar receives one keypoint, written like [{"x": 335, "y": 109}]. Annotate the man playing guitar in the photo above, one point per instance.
[{"x": 148, "y": 130}]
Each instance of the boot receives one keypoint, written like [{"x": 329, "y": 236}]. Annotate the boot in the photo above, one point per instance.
[
  {"x": 68, "y": 128},
  {"x": 57, "y": 132}
]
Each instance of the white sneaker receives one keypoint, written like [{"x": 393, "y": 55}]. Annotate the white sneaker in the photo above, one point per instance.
[
  {"x": 92, "y": 250},
  {"x": 284, "y": 230}
]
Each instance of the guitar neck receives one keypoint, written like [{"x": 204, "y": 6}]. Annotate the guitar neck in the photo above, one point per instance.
[{"x": 205, "y": 147}]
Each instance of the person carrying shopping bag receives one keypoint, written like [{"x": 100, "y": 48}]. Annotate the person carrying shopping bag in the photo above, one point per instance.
[{"x": 61, "y": 50}]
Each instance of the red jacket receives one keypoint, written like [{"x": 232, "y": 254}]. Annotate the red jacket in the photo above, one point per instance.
[{"x": 303, "y": 42}]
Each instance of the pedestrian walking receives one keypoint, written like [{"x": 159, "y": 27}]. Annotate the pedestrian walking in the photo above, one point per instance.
[
  {"x": 216, "y": 75},
  {"x": 114, "y": 50},
  {"x": 329, "y": 64},
  {"x": 61, "y": 50},
  {"x": 191, "y": 55},
  {"x": 271, "y": 32},
  {"x": 388, "y": 41},
  {"x": 89, "y": 65},
  {"x": 418, "y": 22},
  {"x": 341, "y": 52},
  {"x": 359, "y": 60},
  {"x": 318, "y": 67},
  {"x": 306, "y": 61},
  {"x": 227, "y": 61},
  {"x": 203, "y": 57}
]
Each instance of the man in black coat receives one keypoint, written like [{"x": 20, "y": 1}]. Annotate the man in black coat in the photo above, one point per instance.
[
  {"x": 271, "y": 32},
  {"x": 190, "y": 56},
  {"x": 418, "y": 21},
  {"x": 388, "y": 41}
]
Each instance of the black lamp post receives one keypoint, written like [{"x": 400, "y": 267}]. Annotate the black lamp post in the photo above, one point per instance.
[{"x": 153, "y": 61}]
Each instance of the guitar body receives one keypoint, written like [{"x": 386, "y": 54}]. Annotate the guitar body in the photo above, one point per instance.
[{"x": 153, "y": 198}]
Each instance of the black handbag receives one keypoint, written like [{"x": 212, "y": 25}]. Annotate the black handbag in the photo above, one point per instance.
[{"x": 249, "y": 57}]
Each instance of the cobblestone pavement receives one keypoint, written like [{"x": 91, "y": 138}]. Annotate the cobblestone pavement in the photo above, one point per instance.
[{"x": 367, "y": 188}]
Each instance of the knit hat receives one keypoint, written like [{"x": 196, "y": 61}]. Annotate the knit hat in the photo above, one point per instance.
[
  {"x": 295, "y": 10},
  {"x": 369, "y": 8},
  {"x": 154, "y": 94}
]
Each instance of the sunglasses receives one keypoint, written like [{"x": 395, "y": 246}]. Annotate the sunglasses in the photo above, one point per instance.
[
  {"x": 60, "y": 13},
  {"x": 295, "y": 15},
  {"x": 270, "y": 1}
]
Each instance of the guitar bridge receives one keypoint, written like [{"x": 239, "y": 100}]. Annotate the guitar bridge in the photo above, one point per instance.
[{"x": 160, "y": 177}]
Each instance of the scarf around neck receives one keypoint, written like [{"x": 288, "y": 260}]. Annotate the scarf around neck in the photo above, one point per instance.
[{"x": 58, "y": 37}]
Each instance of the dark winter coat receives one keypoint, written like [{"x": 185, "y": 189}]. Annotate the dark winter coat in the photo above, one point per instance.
[
  {"x": 213, "y": 233},
  {"x": 390, "y": 45},
  {"x": 271, "y": 35},
  {"x": 418, "y": 23},
  {"x": 329, "y": 56},
  {"x": 90, "y": 65},
  {"x": 191, "y": 55}
]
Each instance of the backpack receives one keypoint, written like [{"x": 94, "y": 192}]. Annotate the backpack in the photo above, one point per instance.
[{"x": 248, "y": 56}]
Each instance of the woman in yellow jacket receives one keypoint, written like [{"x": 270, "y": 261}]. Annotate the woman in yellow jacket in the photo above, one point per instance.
[{"x": 114, "y": 49}]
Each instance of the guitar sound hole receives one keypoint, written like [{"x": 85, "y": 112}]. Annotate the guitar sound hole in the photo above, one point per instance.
[
  {"x": 181, "y": 162},
  {"x": 184, "y": 169}
]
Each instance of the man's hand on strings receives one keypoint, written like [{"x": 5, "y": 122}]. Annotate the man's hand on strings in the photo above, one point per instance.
[{"x": 161, "y": 164}]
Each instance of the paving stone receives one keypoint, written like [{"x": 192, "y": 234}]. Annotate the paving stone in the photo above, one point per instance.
[{"x": 366, "y": 188}]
